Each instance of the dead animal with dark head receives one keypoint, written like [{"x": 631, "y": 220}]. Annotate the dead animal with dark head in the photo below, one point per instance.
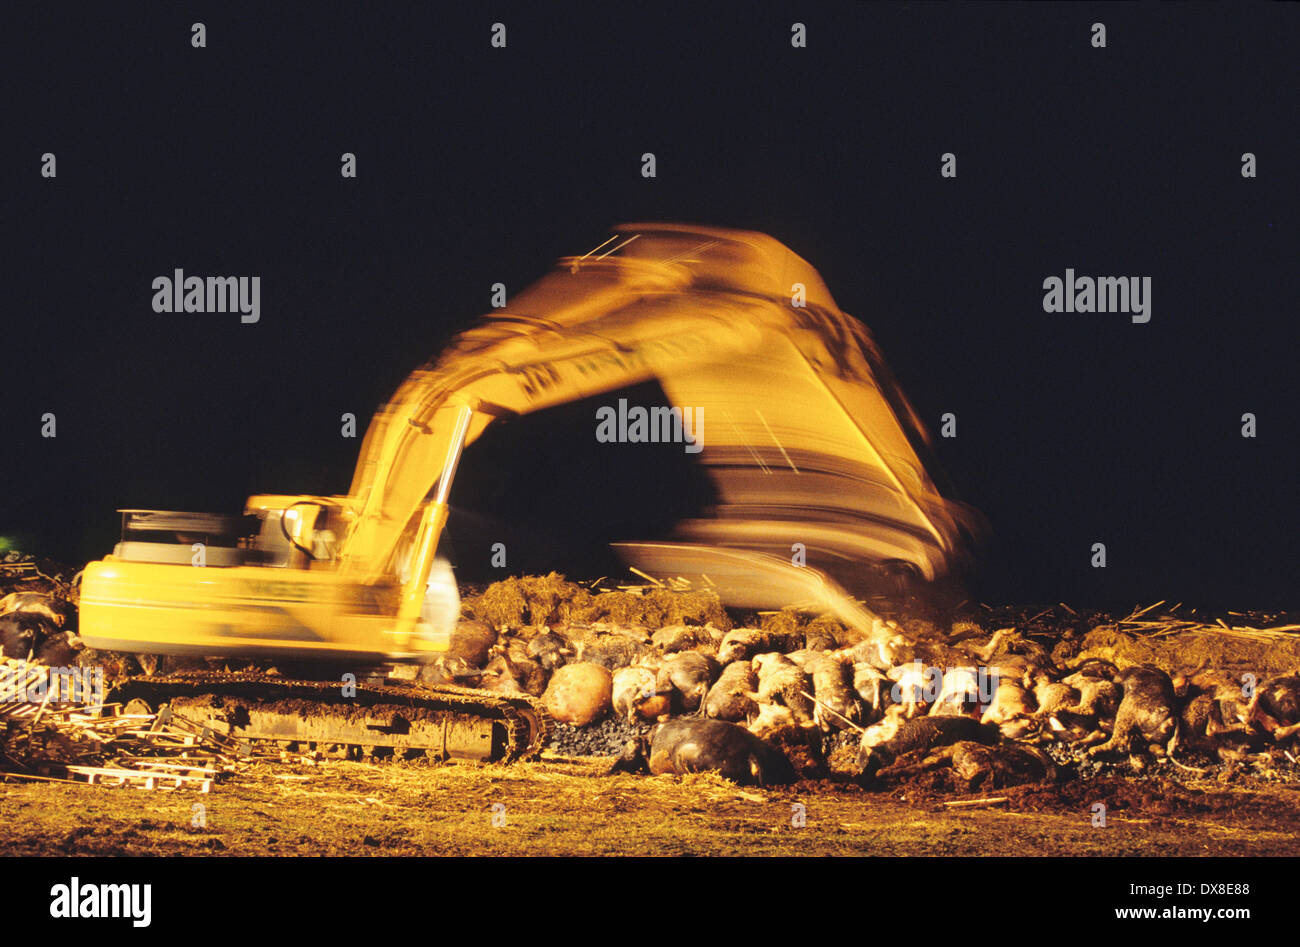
[
  {"x": 781, "y": 681},
  {"x": 1012, "y": 708},
  {"x": 636, "y": 694},
  {"x": 836, "y": 705},
  {"x": 689, "y": 675},
  {"x": 749, "y": 642},
  {"x": 612, "y": 649},
  {"x": 914, "y": 684},
  {"x": 550, "y": 649},
  {"x": 980, "y": 766},
  {"x": 729, "y": 698},
  {"x": 61, "y": 649},
  {"x": 55, "y": 611},
  {"x": 1275, "y": 708},
  {"x": 1099, "y": 695},
  {"x": 698, "y": 745},
  {"x": 1147, "y": 718},
  {"x": 959, "y": 693},
  {"x": 872, "y": 688},
  {"x": 500, "y": 676},
  {"x": 1051, "y": 695},
  {"x": 674, "y": 638},
  {"x": 1214, "y": 716},
  {"x": 897, "y": 735},
  {"x": 22, "y": 634}
]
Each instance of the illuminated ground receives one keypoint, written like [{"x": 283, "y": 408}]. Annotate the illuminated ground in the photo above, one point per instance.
[
  {"x": 569, "y": 806},
  {"x": 566, "y": 805}
]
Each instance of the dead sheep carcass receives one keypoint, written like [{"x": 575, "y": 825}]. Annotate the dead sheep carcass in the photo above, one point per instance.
[{"x": 698, "y": 744}]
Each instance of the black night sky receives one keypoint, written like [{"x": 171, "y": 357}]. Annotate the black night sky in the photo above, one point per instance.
[{"x": 478, "y": 165}]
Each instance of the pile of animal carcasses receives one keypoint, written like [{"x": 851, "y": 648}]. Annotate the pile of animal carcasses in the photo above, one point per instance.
[
  {"x": 802, "y": 696},
  {"x": 35, "y": 626},
  {"x": 812, "y": 698}
]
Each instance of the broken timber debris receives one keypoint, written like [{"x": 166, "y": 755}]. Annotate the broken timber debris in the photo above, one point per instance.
[{"x": 58, "y": 740}]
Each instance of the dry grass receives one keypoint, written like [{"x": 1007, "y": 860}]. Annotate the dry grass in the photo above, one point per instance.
[
  {"x": 1193, "y": 646},
  {"x": 551, "y": 599},
  {"x": 572, "y": 807}
]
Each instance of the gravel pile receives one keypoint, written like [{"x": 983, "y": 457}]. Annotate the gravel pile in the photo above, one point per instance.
[
  {"x": 605, "y": 738},
  {"x": 610, "y": 735},
  {"x": 1074, "y": 760}
]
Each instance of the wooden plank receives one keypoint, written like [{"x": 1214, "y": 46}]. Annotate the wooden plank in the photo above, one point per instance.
[{"x": 148, "y": 780}]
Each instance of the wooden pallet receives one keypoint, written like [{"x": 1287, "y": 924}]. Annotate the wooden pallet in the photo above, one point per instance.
[{"x": 104, "y": 745}]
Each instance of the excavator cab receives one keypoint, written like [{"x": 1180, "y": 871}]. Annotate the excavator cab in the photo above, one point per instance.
[
  {"x": 260, "y": 585},
  {"x": 273, "y": 588},
  {"x": 165, "y": 536},
  {"x": 266, "y": 536}
]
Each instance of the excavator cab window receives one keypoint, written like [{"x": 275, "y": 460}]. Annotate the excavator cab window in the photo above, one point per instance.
[
  {"x": 296, "y": 537},
  {"x": 273, "y": 549},
  {"x": 172, "y": 537}
]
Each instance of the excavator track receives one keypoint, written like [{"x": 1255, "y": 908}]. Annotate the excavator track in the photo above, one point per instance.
[{"x": 378, "y": 719}]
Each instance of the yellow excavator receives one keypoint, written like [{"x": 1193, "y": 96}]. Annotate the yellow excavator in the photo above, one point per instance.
[{"x": 810, "y": 445}]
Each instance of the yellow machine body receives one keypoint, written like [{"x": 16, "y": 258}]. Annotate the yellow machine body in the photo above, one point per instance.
[{"x": 804, "y": 435}]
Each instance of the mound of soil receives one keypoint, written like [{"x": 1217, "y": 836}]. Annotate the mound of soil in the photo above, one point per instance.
[{"x": 553, "y": 600}]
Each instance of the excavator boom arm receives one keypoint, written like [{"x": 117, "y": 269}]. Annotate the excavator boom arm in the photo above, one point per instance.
[{"x": 731, "y": 323}]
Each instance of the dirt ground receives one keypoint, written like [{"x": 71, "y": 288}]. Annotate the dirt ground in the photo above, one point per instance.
[
  {"x": 570, "y": 806},
  {"x": 565, "y": 805}
]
